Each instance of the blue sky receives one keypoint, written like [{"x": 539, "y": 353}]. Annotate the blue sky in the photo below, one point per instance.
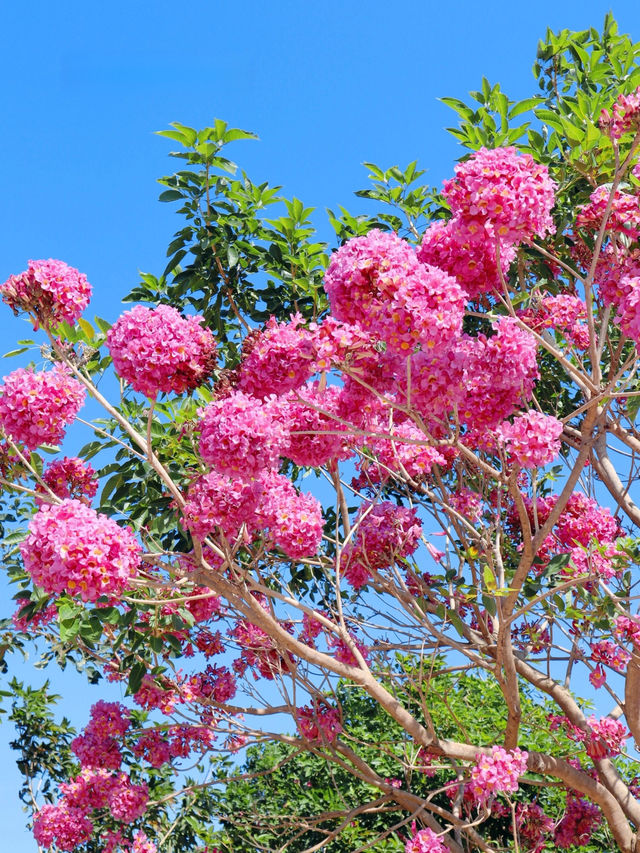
[{"x": 326, "y": 85}]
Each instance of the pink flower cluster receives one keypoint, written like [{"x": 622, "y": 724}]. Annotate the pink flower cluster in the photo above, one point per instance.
[
  {"x": 626, "y": 299},
  {"x": 466, "y": 249},
  {"x": 534, "y": 826},
  {"x": 67, "y": 824},
  {"x": 627, "y": 629},
  {"x": 425, "y": 841},
  {"x": 98, "y": 746},
  {"x": 585, "y": 531},
  {"x": 601, "y": 737},
  {"x": 49, "y": 290},
  {"x": 35, "y": 407},
  {"x": 386, "y": 533},
  {"x": 156, "y": 350},
  {"x": 280, "y": 359},
  {"x": 215, "y": 684},
  {"x": 405, "y": 452},
  {"x": 580, "y": 820},
  {"x": 497, "y": 773},
  {"x": 70, "y": 478},
  {"x": 218, "y": 501},
  {"x": 241, "y": 435},
  {"x": 611, "y": 654},
  {"x": 532, "y": 439},
  {"x": 70, "y": 548},
  {"x": 509, "y": 193},
  {"x": 316, "y": 435},
  {"x": 294, "y": 520},
  {"x": 564, "y": 312},
  {"x": 377, "y": 282},
  {"x": 624, "y": 216},
  {"x": 65, "y": 827},
  {"x": 38, "y": 620},
  {"x": 606, "y": 737},
  {"x": 319, "y": 722},
  {"x": 624, "y": 116},
  {"x": 480, "y": 380}
]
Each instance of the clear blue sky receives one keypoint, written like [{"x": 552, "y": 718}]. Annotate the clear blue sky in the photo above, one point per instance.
[{"x": 326, "y": 85}]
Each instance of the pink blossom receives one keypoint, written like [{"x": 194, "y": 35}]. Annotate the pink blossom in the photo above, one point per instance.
[
  {"x": 377, "y": 282},
  {"x": 319, "y": 722},
  {"x": 623, "y": 218},
  {"x": 49, "y": 290},
  {"x": 141, "y": 844},
  {"x": 126, "y": 800},
  {"x": 277, "y": 360},
  {"x": 532, "y": 438},
  {"x": 70, "y": 548},
  {"x": 606, "y": 738},
  {"x": 65, "y": 827},
  {"x": 157, "y": 350},
  {"x": 405, "y": 452},
  {"x": 466, "y": 249},
  {"x": 533, "y": 826},
  {"x": 385, "y": 534},
  {"x": 498, "y": 772},
  {"x": 611, "y": 654},
  {"x": 425, "y": 841},
  {"x": 316, "y": 434},
  {"x": 70, "y": 478},
  {"x": 153, "y": 747},
  {"x": 242, "y": 436},
  {"x": 509, "y": 192},
  {"x": 151, "y": 695},
  {"x": 576, "y": 827},
  {"x": 218, "y": 501},
  {"x": 35, "y": 407},
  {"x": 294, "y": 519},
  {"x": 38, "y": 619},
  {"x": 565, "y": 313},
  {"x": 624, "y": 116}
]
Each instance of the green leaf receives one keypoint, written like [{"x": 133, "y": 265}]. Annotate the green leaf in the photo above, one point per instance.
[{"x": 138, "y": 672}]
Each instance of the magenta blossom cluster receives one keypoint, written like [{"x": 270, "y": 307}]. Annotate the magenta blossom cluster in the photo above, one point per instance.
[
  {"x": 534, "y": 826},
  {"x": 625, "y": 297},
  {"x": 241, "y": 435},
  {"x": 377, "y": 282},
  {"x": 36, "y": 407},
  {"x": 509, "y": 192},
  {"x": 497, "y": 772},
  {"x": 564, "y": 312},
  {"x": 157, "y": 350},
  {"x": 293, "y": 520},
  {"x": 585, "y": 530},
  {"x": 623, "y": 218},
  {"x": 70, "y": 478},
  {"x": 49, "y": 290},
  {"x": 70, "y": 548},
  {"x": 319, "y": 722},
  {"x": 467, "y": 249},
  {"x": 624, "y": 116},
  {"x": 580, "y": 820},
  {"x": 532, "y": 438},
  {"x": 67, "y": 823},
  {"x": 481, "y": 380},
  {"x": 98, "y": 746},
  {"x": 316, "y": 434},
  {"x": 385, "y": 534},
  {"x": 425, "y": 841},
  {"x": 280, "y": 359}
]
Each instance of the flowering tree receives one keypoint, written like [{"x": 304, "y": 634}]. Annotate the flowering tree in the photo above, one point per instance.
[{"x": 458, "y": 380}]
